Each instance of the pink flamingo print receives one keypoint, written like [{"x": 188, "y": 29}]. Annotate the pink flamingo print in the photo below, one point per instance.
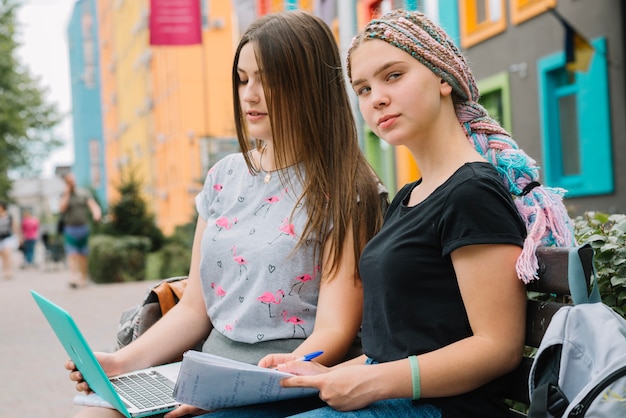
[
  {"x": 218, "y": 187},
  {"x": 301, "y": 280},
  {"x": 295, "y": 321},
  {"x": 269, "y": 201},
  {"x": 241, "y": 261},
  {"x": 223, "y": 223},
  {"x": 268, "y": 298},
  {"x": 219, "y": 291},
  {"x": 285, "y": 228}
]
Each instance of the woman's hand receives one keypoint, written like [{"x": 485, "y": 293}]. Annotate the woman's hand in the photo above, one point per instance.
[
  {"x": 273, "y": 360},
  {"x": 185, "y": 411},
  {"x": 344, "y": 389},
  {"x": 107, "y": 362}
]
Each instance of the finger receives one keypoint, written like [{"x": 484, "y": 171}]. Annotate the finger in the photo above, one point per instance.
[
  {"x": 302, "y": 368},
  {"x": 83, "y": 387},
  {"x": 299, "y": 382},
  {"x": 76, "y": 376},
  {"x": 69, "y": 365},
  {"x": 272, "y": 360},
  {"x": 184, "y": 411}
]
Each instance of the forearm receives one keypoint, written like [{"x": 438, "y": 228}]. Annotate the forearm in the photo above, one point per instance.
[
  {"x": 452, "y": 370},
  {"x": 335, "y": 342},
  {"x": 466, "y": 365},
  {"x": 180, "y": 330},
  {"x": 64, "y": 202}
]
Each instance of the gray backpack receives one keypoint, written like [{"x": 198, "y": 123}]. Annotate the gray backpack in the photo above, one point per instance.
[{"x": 580, "y": 366}]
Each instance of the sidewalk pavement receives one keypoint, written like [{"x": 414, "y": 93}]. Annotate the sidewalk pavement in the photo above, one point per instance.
[{"x": 34, "y": 382}]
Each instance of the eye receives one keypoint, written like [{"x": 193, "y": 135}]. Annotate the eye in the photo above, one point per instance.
[
  {"x": 362, "y": 90},
  {"x": 242, "y": 82},
  {"x": 393, "y": 76}
]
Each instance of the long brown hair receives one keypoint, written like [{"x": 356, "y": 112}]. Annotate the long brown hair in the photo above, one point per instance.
[{"x": 311, "y": 118}]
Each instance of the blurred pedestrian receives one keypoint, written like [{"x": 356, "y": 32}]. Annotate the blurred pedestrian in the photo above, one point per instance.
[
  {"x": 9, "y": 241},
  {"x": 76, "y": 206},
  {"x": 30, "y": 234}
]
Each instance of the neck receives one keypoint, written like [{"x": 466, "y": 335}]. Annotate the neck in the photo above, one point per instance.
[{"x": 266, "y": 159}]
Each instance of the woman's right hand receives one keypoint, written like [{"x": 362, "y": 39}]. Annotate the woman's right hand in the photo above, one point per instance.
[{"x": 107, "y": 362}]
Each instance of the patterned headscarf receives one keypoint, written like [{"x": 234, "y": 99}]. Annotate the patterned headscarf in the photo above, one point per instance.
[{"x": 540, "y": 207}]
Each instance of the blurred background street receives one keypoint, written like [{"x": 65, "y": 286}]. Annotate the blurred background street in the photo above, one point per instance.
[{"x": 35, "y": 384}]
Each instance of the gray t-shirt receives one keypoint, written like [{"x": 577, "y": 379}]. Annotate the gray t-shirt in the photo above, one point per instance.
[
  {"x": 77, "y": 212},
  {"x": 256, "y": 288}
]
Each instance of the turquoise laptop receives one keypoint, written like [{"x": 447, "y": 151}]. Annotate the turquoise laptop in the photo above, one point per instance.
[{"x": 117, "y": 391}]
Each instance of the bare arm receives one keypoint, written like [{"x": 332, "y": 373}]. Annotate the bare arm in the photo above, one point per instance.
[
  {"x": 184, "y": 326},
  {"x": 495, "y": 300},
  {"x": 96, "y": 212},
  {"x": 339, "y": 308},
  {"x": 65, "y": 201},
  {"x": 339, "y": 311}
]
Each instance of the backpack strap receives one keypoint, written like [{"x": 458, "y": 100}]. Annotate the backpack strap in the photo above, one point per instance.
[
  {"x": 169, "y": 292},
  {"x": 578, "y": 279}
]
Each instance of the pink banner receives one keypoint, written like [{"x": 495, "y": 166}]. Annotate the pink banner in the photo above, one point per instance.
[{"x": 175, "y": 22}]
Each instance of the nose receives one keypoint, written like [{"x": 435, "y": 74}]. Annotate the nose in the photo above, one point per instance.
[
  {"x": 378, "y": 99},
  {"x": 250, "y": 93}
]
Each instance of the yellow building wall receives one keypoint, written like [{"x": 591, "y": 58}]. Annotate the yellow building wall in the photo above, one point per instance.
[
  {"x": 192, "y": 101},
  {"x": 132, "y": 76},
  {"x": 406, "y": 169},
  {"x": 109, "y": 95},
  {"x": 160, "y": 103}
]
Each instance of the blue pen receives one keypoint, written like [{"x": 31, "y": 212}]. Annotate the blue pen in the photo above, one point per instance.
[
  {"x": 306, "y": 357},
  {"x": 311, "y": 356}
]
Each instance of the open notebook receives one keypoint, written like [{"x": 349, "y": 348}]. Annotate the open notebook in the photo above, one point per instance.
[{"x": 138, "y": 394}]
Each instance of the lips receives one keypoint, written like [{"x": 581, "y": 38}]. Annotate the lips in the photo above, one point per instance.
[
  {"x": 254, "y": 115},
  {"x": 386, "y": 121}
]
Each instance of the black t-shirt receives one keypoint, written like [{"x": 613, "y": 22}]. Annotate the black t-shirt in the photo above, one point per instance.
[{"x": 412, "y": 302}]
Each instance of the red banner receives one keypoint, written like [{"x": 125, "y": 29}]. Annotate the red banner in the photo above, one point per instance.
[{"x": 175, "y": 22}]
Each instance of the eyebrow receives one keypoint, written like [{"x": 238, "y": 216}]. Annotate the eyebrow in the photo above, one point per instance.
[
  {"x": 378, "y": 71},
  {"x": 241, "y": 70}
]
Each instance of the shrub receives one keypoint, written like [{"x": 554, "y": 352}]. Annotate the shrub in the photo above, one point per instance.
[
  {"x": 607, "y": 235},
  {"x": 129, "y": 215},
  {"x": 175, "y": 260},
  {"x": 118, "y": 259}
]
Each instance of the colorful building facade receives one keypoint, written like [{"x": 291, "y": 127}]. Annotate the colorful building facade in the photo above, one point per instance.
[{"x": 166, "y": 111}]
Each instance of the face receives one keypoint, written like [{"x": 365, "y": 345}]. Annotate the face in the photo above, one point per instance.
[
  {"x": 399, "y": 98},
  {"x": 70, "y": 179},
  {"x": 251, "y": 95}
]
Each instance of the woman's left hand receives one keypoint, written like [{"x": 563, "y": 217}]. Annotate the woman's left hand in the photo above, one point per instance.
[
  {"x": 273, "y": 360},
  {"x": 344, "y": 389}
]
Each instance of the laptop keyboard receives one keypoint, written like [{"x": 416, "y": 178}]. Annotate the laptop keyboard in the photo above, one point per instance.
[{"x": 145, "y": 390}]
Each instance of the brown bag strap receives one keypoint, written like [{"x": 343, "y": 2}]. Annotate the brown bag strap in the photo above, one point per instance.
[
  {"x": 178, "y": 287},
  {"x": 169, "y": 293}
]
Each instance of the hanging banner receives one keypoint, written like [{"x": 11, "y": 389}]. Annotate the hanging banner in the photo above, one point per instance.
[
  {"x": 578, "y": 50},
  {"x": 175, "y": 22}
]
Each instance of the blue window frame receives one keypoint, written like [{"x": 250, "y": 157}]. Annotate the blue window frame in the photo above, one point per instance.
[{"x": 576, "y": 125}]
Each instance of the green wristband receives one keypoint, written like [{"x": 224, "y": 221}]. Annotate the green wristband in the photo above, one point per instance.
[{"x": 415, "y": 377}]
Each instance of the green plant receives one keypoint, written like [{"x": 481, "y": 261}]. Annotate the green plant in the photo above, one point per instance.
[
  {"x": 130, "y": 215},
  {"x": 117, "y": 259},
  {"x": 175, "y": 260},
  {"x": 607, "y": 235}
]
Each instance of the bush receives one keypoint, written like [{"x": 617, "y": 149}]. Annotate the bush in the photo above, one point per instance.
[
  {"x": 607, "y": 235},
  {"x": 175, "y": 260},
  {"x": 118, "y": 259},
  {"x": 129, "y": 215}
]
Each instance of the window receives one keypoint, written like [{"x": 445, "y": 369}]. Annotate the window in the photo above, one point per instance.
[
  {"x": 381, "y": 156},
  {"x": 495, "y": 97},
  {"x": 522, "y": 10},
  {"x": 480, "y": 20},
  {"x": 575, "y": 124}
]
